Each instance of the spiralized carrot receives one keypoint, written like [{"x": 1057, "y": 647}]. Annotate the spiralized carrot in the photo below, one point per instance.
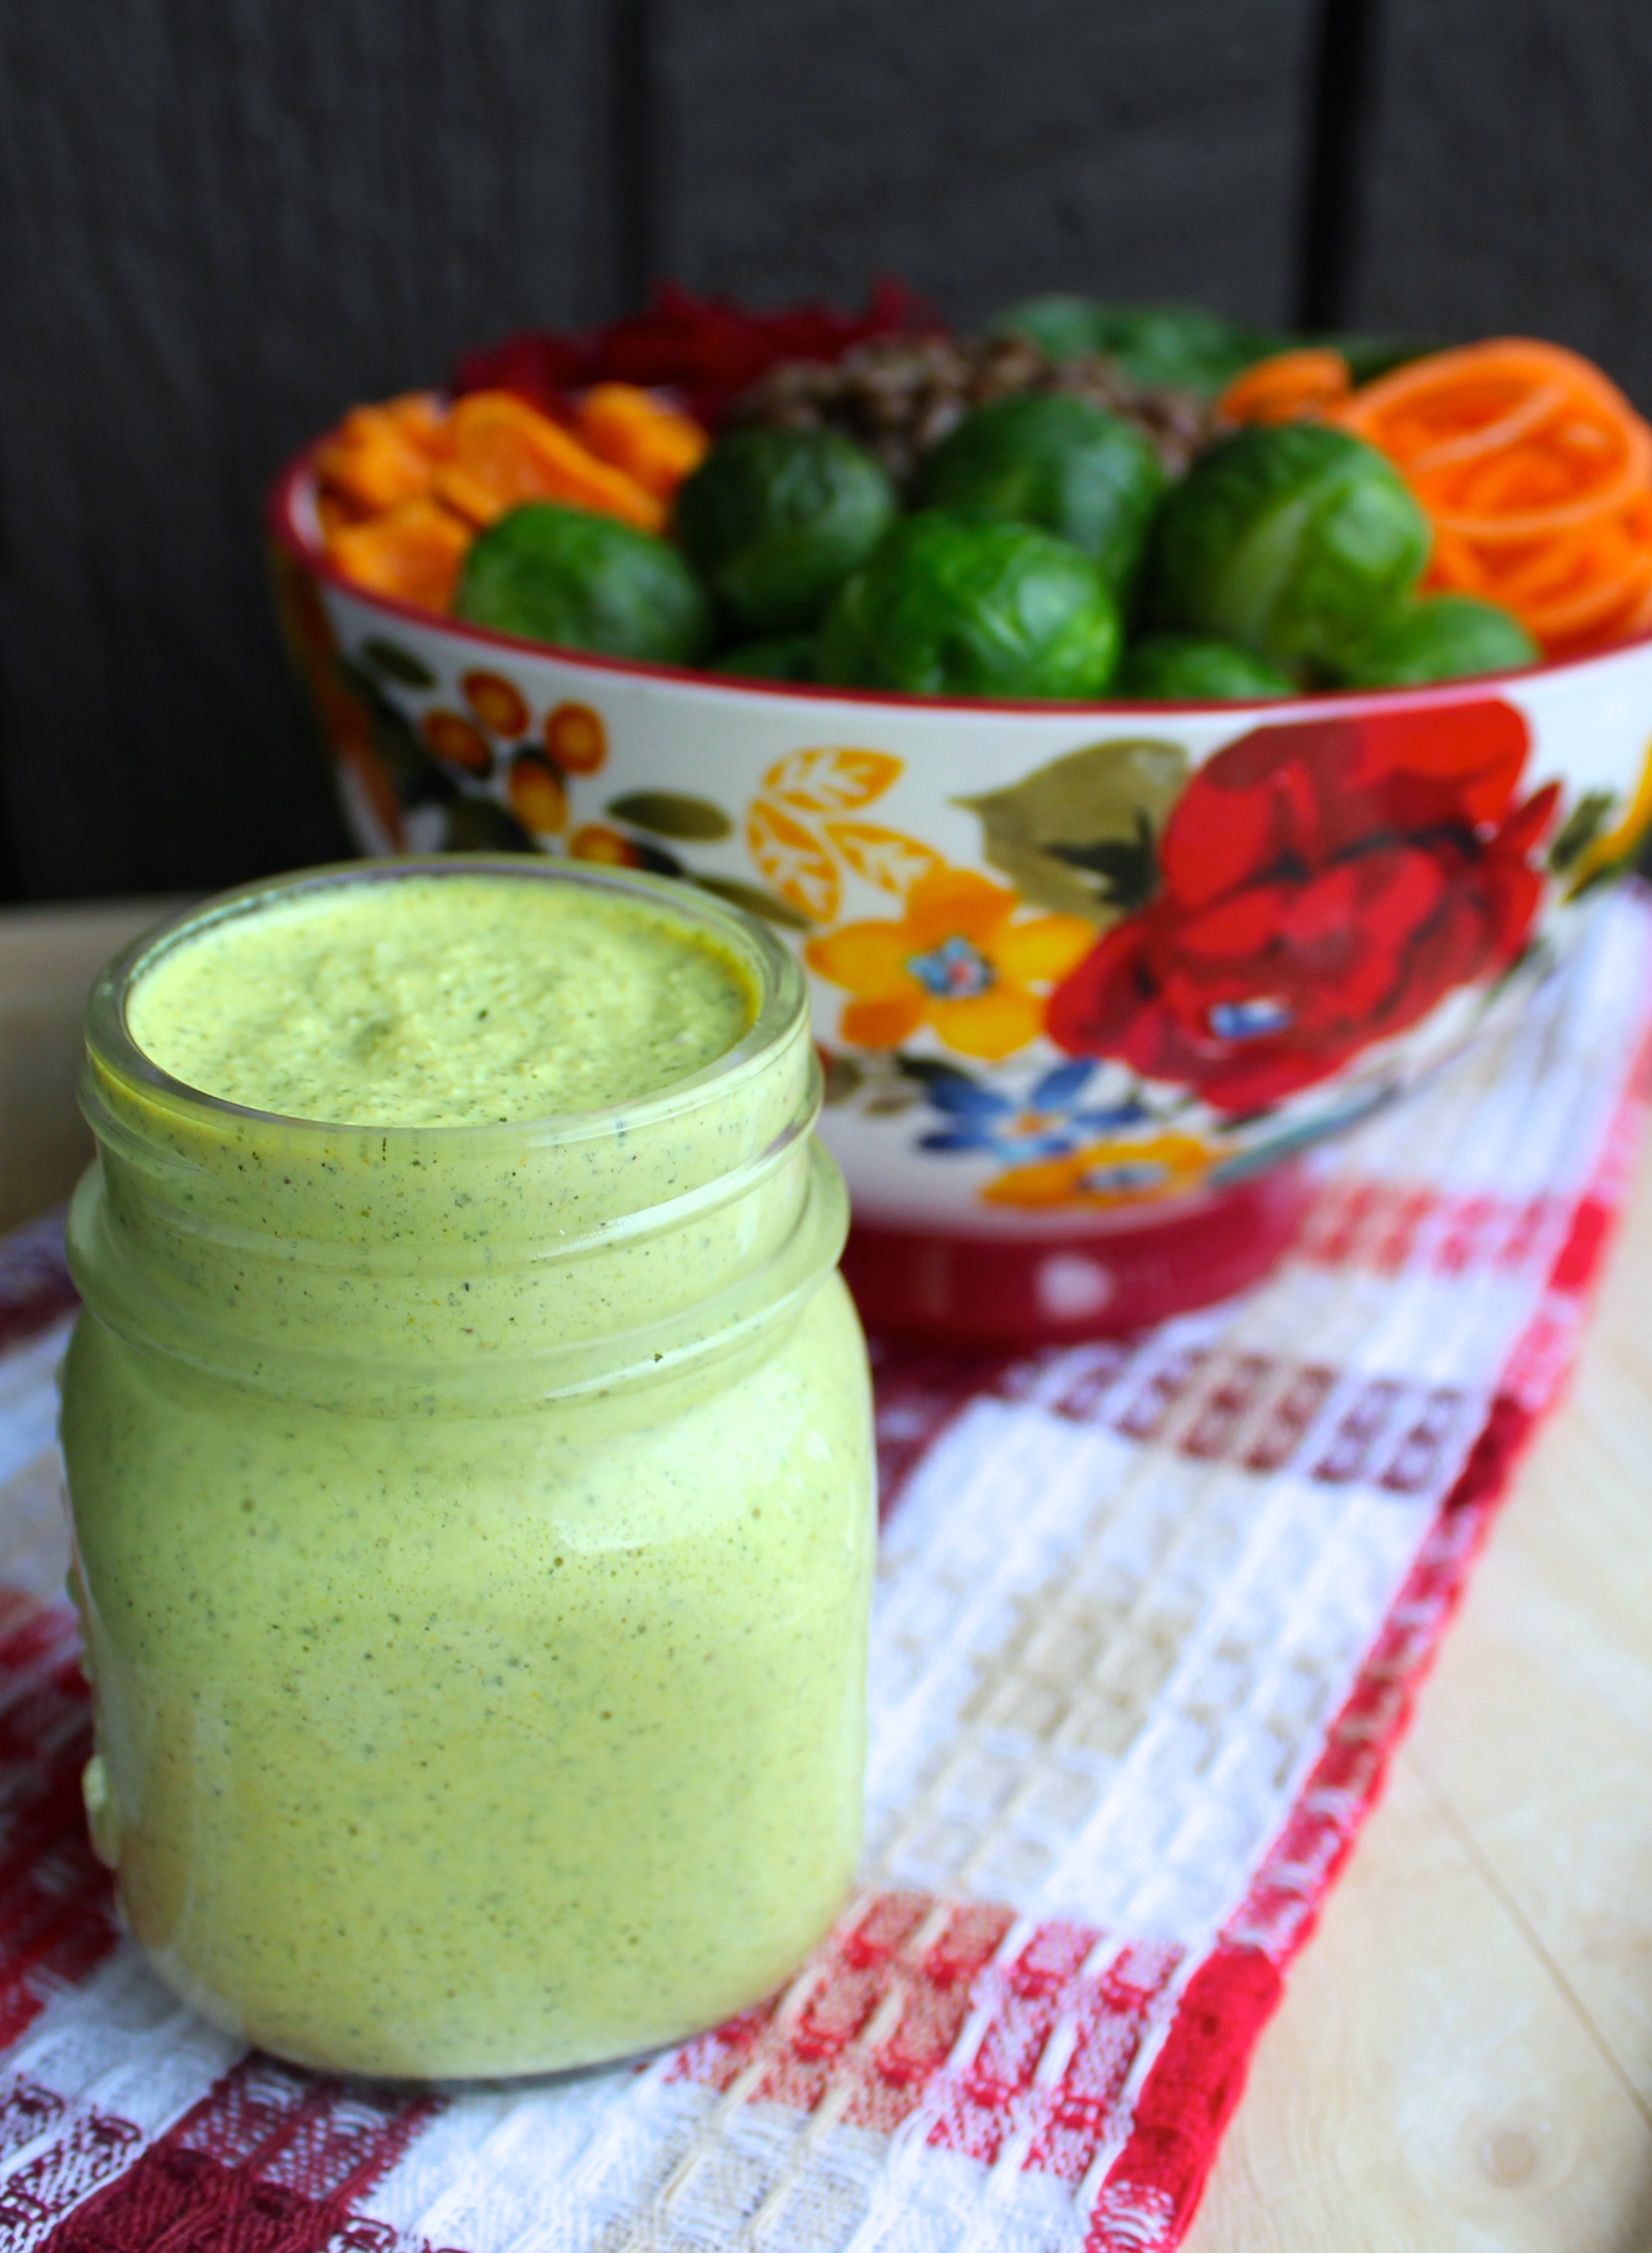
[
  {"x": 1287, "y": 387},
  {"x": 1536, "y": 473}
]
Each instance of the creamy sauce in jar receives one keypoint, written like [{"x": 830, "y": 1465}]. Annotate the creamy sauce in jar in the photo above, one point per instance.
[
  {"x": 428, "y": 1002},
  {"x": 469, "y": 1459}
]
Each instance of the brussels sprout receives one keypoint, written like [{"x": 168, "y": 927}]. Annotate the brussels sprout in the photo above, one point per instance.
[
  {"x": 584, "y": 582},
  {"x": 1041, "y": 458},
  {"x": 777, "y": 519},
  {"x": 1440, "y": 638},
  {"x": 1293, "y": 540},
  {"x": 1061, "y": 326},
  {"x": 1179, "y": 344},
  {"x": 781, "y": 657},
  {"x": 965, "y": 606},
  {"x": 1187, "y": 668}
]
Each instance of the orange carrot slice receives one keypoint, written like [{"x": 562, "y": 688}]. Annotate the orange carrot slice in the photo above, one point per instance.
[
  {"x": 505, "y": 452},
  {"x": 333, "y": 511},
  {"x": 372, "y": 461},
  {"x": 629, "y": 427},
  {"x": 422, "y": 420},
  {"x": 412, "y": 553}
]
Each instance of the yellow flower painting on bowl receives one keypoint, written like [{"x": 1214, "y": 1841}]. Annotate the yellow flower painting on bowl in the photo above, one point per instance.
[
  {"x": 958, "y": 960},
  {"x": 1107, "y": 1174}
]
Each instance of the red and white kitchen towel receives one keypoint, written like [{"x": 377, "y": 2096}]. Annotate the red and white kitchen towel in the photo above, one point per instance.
[{"x": 1150, "y": 1619}]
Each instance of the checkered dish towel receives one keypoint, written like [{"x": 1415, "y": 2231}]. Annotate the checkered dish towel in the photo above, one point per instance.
[{"x": 1150, "y": 1618}]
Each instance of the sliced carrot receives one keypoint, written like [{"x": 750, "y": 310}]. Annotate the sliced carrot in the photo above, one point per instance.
[
  {"x": 372, "y": 461},
  {"x": 412, "y": 553},
  {"x": 505, "y": 452},
  {"x": 423, "y": 420},
  {"x": 1287, "y": 387},
  {"x": 629, "y": 427},
  {"x": 333, "y": 511}
]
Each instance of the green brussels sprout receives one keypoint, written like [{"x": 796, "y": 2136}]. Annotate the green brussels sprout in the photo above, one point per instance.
[
  {"x": 584, "y": 582},
  {"x": 781, "y": 657},
  {"x": 1293, "y": 540},
  {"x": 777, "y": 519},
  {"x": 1181, "y": 345},
  {"x": 1041, "y": 458},
  {"x": 1191, "y": 669},
  {"x": 1440, "y": 638},
  {"x": 967, "y": 606}
]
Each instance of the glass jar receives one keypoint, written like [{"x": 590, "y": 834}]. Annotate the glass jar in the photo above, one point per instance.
[{"x": 474, "y": 1532}]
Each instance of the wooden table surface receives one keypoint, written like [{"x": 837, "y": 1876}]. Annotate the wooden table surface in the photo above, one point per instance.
[{"x": 1464, "y": 2056}]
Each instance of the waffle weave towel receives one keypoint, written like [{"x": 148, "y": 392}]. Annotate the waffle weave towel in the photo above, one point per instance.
[{"x": 1150, "y": 1618}]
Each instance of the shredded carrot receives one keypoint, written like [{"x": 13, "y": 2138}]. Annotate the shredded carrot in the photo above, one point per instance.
[
  {"x": 1287, "y": 387},
  {"x": 629, "y": 427},
  {"x": 412, "y": 552},
  {"x": 505, "y": 452},
  {"x": 1536, "y": 473}
]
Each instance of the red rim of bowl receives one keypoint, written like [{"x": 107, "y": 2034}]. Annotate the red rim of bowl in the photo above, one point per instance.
[{"x": 288, "y": 533}]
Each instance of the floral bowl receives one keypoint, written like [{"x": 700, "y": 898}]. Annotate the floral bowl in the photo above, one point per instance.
[{"x": 1082, "y": 974}]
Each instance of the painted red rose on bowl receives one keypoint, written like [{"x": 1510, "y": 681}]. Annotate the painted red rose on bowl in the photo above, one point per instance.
[{"x": 1321, "y": 886}]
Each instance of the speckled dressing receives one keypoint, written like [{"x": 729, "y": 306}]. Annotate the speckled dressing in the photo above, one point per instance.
[
  {"x": 426, "y": 1002},
  {"x": 474, "y": 1535}
]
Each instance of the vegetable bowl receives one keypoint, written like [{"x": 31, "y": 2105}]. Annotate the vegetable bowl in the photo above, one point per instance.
[{"x": 1088, "y": 973}]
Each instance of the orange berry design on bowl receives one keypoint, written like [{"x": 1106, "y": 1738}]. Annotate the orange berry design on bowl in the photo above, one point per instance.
[
  {"x": 539, "y": 796},
  {"x": 453, "y": 737},
  {"x": 1106, "y": 1174},
  {"x": 497, "y": 704},
  {"x": 595, "y": 840},
  {"x": 576, "y": 739}
]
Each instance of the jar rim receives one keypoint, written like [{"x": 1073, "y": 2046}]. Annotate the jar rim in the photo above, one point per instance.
[{"x": 782, "y": 996}]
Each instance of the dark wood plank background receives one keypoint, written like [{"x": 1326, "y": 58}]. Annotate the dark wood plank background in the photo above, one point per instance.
[{"x": 226, "y": 220}]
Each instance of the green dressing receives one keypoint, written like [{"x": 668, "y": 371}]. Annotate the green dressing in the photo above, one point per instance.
[{"x": 470, "y": 1467}]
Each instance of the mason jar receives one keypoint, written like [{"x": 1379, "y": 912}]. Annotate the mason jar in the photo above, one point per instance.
[{"x": 473, "y": 1540}]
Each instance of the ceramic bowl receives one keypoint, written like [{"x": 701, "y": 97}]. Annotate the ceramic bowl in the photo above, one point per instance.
[{"x": 1073, "y": 966}]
